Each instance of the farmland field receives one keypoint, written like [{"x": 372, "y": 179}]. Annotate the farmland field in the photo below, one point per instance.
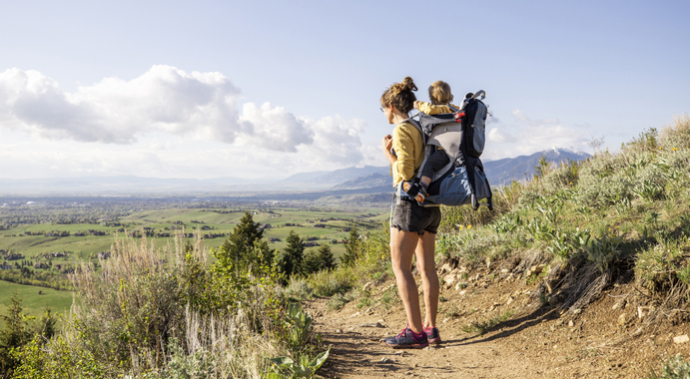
[{"x": 40, "y": 243}]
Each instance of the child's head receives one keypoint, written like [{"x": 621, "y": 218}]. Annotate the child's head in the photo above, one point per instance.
[{"x": 439, "y": 93}]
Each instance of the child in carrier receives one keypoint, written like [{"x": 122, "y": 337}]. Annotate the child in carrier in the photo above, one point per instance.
[{"x": 440, "y": 95}]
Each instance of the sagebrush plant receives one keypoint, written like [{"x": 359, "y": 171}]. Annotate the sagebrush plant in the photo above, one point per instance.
[
  {"x": 611, "y": 212},
  {"x": 164, "y": 313},
  {"x": 673, "y": 368}
]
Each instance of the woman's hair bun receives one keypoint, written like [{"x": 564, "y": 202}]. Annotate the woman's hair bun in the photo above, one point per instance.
[
  {"x": 409, "y": 84},
  {"x": 400, "y": 95},
  {"x": 406, "y": 85}
]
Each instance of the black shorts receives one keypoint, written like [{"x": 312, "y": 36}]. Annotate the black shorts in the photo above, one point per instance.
[{"x": 408, "y": 216}]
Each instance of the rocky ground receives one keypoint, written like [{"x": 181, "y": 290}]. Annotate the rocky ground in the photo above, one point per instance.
[{"x": 494, "y": 327}]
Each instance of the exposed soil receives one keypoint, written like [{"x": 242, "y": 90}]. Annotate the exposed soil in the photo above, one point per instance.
[{"x": 537, "y": 341}]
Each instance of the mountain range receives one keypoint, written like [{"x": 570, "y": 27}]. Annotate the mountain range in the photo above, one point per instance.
[
  {"x": 499, "y": 172},
  {"x": 351, "y": 180}
]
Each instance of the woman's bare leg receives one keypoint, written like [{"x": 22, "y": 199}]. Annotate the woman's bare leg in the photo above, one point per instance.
[
  {"x": 403, "y": 245},
  {"x": 427, "y": 269}
]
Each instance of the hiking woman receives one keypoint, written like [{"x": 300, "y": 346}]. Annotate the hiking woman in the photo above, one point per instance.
[{"x": 413, "y": 228}]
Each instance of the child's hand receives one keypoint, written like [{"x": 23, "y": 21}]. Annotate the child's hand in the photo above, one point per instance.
[{"x": 415, "y": 104}]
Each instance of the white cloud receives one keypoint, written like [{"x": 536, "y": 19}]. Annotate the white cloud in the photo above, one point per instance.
[
  {"x": 273, "y": 128},
  {"x": 336, "y": 140},
  {"x": 198, "y": 105},
  {"x": 497, "y": 135},
  {"x": 528, "y": 136},
  {"x": 171, "y": 104},
  {"x": 519, "y": 115}
]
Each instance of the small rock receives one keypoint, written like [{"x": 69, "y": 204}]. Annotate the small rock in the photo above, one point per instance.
[
  {"x": 369, "y": 311},
  {"x": 619, "y": 304},
  {"x": 368, "y": 325},
  {"x": 577, "y": 311},
  {"x": 445, "y": 320},
  {"x": 492, "y": 308},
  {"x": 571, "y": 324},
  {"x": 367, "y": 287},
  {"x": 681, "y": 339},
  {"x": 338, "y": 330},
  {"x": 642, "y": 311},
  {"x": 448, "y": 280},
  {"x": 385, "y": 360},
  {"x": 463, "y": 292},
  {"x": 355, "y": 315},
  {"x": 510, "y": 300},
  {"x": 488, "y": 262},
  {"x": 622, "y": 319},
  {"x": 504, "y": 271},
  {"x": 426, "y": 348},
  {"x": 447, "y": 267}
]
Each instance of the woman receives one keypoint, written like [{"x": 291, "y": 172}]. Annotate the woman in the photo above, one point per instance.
[{"x": 413, "y": 228}]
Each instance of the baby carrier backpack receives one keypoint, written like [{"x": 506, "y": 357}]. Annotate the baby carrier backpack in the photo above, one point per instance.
[{"x": 461, "y": 135}]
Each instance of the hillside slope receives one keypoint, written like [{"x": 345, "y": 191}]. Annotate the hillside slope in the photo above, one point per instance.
[{"x": 584, "y": 271}]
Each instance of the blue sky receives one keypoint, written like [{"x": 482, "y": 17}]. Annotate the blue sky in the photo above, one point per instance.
[{"x": 180, "y": 89}]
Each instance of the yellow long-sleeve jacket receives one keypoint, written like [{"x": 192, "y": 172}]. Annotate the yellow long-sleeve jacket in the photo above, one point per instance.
[
  {"x": 409, "y": 149},
  {"x": 429, "y": 108}
]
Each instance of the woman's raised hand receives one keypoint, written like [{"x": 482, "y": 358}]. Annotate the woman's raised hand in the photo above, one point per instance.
[{"x": 387, "y": 143}]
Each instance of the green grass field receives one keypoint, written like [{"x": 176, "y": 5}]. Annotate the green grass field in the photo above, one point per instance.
[
  {"x": 33, "y": 303},
  {"x": 335, "y": 224}
]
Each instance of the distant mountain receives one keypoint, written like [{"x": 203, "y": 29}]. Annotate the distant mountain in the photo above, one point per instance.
[
  {"x": 328, "y": 179},
  {"x": 500, "y": 172},
  {"x": 124, "y": 184},
  {"x": 503, "y": 171},
  {"x": 308, "y": 185},
  {"x": 371, "y": 181}
]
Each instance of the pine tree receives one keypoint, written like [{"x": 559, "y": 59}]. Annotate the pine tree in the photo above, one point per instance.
[
  {"x": 244, "y": 247},
  {"x": 290, "y": 261},
  {"x": 15, "y": 334},
  {"x": 312, "y": 262},
  {"x": 326, "y": 256},
  {"x": 353, "y": 248}
]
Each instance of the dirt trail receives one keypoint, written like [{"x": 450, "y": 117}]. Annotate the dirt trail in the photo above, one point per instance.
[{"x": 535, "y": 342}]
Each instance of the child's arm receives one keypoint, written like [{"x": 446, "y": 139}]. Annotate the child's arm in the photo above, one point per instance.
[{"x": 429, "y": 108}]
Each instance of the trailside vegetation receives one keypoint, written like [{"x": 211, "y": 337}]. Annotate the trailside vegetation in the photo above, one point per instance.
[{"x": 167, "y": 312}]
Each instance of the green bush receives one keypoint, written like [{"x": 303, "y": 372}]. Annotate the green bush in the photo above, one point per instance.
[
  {"x": 674, "y": 368},
  {"x": 663, "y": 264}
]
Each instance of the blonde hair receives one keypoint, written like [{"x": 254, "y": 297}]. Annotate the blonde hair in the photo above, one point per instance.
[
  {"x": 400, "y": 95},
  {"x": 439, "y": 93}
]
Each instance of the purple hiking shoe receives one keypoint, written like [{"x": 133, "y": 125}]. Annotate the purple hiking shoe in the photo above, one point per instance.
[
  {"x": 407, "y": 339},
  {"x": 432, "y": 336}
]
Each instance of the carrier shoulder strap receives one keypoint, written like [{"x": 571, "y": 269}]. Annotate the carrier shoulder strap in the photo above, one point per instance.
[{"x": 415, "y": 123}]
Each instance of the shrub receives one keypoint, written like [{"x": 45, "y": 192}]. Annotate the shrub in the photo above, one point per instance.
[
  {"x": 57, "y": 358},
  {"x": 674, "y": 368},
  {"x": 329, "y": 283},
  {"x": 660, "y": 266},
  {"x": 566, "y": 175}
]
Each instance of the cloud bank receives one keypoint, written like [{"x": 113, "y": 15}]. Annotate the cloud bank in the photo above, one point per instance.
[
  {"x": 200, "y": 106},
  {"x": 527, "y": 136}
]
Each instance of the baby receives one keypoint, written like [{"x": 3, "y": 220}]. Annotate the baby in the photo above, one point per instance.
[{"x": 440, "y": 95}]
